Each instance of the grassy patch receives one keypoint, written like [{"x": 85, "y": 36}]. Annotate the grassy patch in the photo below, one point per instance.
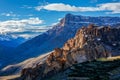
[{"x": 96, "y": 70}]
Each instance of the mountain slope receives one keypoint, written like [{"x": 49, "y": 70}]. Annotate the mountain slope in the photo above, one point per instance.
[
  {"x": 16, "y": 68},
  {"x": 89, "y": 43},
  {"x": 59, "y": 34},
  {"x": 4, "y": 55},
  {"x": 7, "y": 46}
]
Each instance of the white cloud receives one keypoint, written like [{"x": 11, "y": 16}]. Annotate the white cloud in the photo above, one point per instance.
[
  {"x": 22, "y": 28},
  {"x": 113, "y": 12},
  {"x": 30, "y": 15},
  {"x": 64, "y": 7},
  {"x": 113, "y": 7},
  {"x": 93, "y": 1},
  {"x": 26, "y": 6},
  {"x": 110, "y": 6},
  {"x": 23, "y": 22},
  {"x": 9, "y": 14}
]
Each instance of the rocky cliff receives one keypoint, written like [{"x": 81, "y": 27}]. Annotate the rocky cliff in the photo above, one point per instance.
[{"x": 89, "y": 43}]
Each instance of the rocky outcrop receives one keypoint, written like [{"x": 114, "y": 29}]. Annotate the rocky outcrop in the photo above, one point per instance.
[{"x": 90, "y": 43}]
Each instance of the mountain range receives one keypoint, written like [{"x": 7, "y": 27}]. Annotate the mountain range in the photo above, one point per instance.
[
  {"x": 57, "y": 36},
  {"x": 90, "y": 43}
]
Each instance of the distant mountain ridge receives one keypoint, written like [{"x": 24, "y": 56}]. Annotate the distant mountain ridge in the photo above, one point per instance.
[
  {"x": 58, "y": 35},
  {"x": 72, "y": 20},
  {"x": 10, "y": 41}
]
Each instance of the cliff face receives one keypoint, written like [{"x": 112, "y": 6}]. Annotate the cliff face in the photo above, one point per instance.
[{"x": 90, "y": 43}]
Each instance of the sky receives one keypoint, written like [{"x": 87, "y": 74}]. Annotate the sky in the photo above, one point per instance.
[{"x": 28, "y": 18}]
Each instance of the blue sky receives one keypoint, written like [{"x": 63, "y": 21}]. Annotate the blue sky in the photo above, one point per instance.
[{"x": 32, "y": 16}]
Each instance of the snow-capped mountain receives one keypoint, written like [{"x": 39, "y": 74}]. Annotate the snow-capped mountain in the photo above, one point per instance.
[{"x": 9, "y": 41}]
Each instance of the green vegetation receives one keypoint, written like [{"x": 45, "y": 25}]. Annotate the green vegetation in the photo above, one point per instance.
[
  {"x": 100, "y": 69},
  {"x": 109, "y": 58},
  {"x": 96, "y": 70}
]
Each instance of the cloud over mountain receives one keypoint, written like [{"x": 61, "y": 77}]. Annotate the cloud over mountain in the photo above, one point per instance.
[
  {"x": 22, "y": 28},
  {"x": 9, "y": 14},
  {"x": 113, "y": 7}
]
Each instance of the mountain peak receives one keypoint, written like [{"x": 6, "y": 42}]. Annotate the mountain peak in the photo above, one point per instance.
[
  {"x": 67, "y": 19},
  {"x": 64, "y": 21},
  {"x": 78, "y": 20}
]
